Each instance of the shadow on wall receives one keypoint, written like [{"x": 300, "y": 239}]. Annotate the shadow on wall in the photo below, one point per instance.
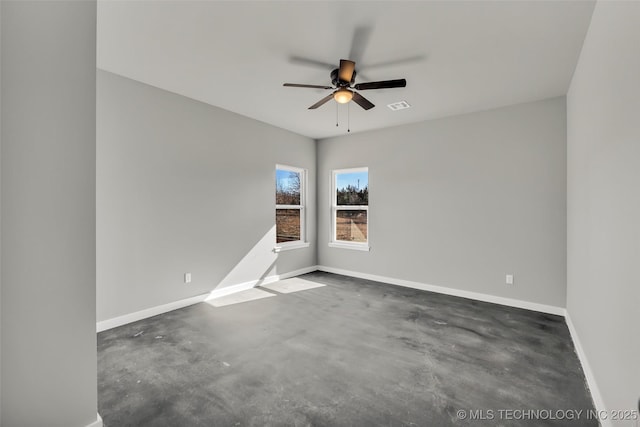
[{"x": 257, "y": 265}]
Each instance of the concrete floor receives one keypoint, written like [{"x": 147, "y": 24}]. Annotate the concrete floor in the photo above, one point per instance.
[{"x": 351, "y": 353}]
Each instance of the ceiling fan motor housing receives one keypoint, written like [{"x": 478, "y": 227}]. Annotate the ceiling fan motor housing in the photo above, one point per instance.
[
  {"x": 340, "y": 83},
  {"x": 344, "y": 92}
]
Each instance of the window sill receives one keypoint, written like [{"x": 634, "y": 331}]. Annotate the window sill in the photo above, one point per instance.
[
  {"x": 290, "y": 246},
  {"x": 353, "y": 246}
]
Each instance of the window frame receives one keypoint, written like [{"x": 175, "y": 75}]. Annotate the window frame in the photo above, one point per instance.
[
  {"x": 333, "y": 241},
  {"x": 302, "y": 242}
]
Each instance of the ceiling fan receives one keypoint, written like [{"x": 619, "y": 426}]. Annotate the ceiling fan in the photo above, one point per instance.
[{"x": 343, "y": 79}]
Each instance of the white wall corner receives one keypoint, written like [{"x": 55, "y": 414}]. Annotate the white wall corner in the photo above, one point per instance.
[
  {"x": 588, "y": 373},
  {"x": 97, "y": 422}
]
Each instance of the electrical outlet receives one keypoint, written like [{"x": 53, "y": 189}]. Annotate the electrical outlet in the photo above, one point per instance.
[
  {"x": 509, "y": 279},
  {"x": 187, "y": 277}
]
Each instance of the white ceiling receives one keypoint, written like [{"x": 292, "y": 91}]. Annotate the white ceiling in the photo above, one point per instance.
[{"x": 457, "y": 57}]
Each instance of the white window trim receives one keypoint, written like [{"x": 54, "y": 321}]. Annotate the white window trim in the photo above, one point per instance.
[
  {"x": 302, "y": 243},
  {"x": 287, "y": 246},
  {"x": 353, "y": 246},
  {"x": 333, "y": 242}
]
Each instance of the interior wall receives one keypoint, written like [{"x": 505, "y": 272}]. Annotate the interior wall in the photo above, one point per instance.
[
  {"x": 460, "y": 202},
  {"x": 186, "y": 187},
  {"x": 48, "y": 213},
  {"x": 0, "y": 214},
  {"x": 603, "y": 107}
]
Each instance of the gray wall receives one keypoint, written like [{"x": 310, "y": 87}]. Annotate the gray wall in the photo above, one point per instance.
[
  {"x": 186, "y": 187},
  {"x": 603, "y": 243},
  {"x": 461, "y": 201},
  {"x": 48, "y": 213},
  {"x": 0, "y": 214}
]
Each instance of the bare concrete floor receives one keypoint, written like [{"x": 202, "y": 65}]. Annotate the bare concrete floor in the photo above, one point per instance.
[{"x": 351, "y": 353}]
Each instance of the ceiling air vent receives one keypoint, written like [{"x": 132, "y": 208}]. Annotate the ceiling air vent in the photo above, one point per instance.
[{"x": 400, "y": 105}]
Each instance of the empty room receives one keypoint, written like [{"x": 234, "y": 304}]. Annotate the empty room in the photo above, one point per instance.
[{"x": 319, "y": 213}]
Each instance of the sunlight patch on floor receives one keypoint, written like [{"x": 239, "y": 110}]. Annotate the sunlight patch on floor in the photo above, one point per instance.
[
  {"x": 294, "y": 284},
  {"x": 240, "y": 297}
]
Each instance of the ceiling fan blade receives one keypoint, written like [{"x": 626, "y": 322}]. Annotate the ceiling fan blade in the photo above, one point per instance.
[
  {"x": 386, "y": 84},
  {"x": 345, "y": 73},
  {"x": 311, "y": 62},
  {"x": 399, "y": 61},
  {"x": 321, "y": 102},
  {"x": 359, "y": 43},
  {"x": 362, "y": 101},
  {"x": 309, "y": 86}
]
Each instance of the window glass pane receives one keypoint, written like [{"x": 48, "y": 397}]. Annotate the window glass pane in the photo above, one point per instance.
[
  {"x": 287, "y": 187},
  {"x": 352, "y": 188},
  {"x": 351, "y": 225},
  {"x": 287, "y": 225}
]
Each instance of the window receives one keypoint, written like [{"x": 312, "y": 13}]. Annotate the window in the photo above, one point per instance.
[
  {"x": 350, "y": 209},
  {"x": 290, "y": 200}
]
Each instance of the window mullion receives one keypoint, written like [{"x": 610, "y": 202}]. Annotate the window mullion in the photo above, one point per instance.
[{"x": 352, "y": 207}]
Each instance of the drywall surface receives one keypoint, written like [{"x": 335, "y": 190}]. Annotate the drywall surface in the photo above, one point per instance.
[
  {"x": 186, "y": 187},
  {"x": 0, "y": 214},
  {"x": 48, "y": 213},
  {"x": 603, "y": 181},
  {"x": 461, "y": 202}
]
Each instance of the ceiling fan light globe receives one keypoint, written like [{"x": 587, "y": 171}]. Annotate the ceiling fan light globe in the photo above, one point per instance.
[{"x": 342, "y": 96}]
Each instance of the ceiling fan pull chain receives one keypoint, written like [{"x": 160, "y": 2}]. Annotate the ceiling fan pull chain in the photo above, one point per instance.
[
  {"x": 336, "y": 114},
  {"x": 348, "y": 118}
]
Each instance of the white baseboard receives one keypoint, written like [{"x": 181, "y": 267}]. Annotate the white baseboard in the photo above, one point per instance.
[
  {"x": 148, "y": 312},
  {"x": 228, "y": 290},
  {"x": 216, "y": 293},
  {"x": 450, "y": 291},
  {"x": 588, "y": 373},
  {"x": 97, "y": 422}
]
